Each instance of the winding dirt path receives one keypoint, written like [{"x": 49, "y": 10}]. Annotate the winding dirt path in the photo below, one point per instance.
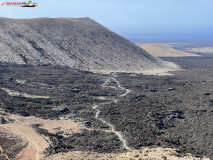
[
  {"x": 122, "y": 88},
  {"x": 36, "y": 143},
  {"x": 119, "y": 135}
]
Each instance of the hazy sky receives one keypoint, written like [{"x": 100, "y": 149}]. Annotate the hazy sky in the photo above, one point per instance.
[{"x": 131, "y": 18}]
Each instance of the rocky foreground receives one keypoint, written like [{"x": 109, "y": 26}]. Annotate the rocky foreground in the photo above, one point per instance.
[{"x": 143, "y": 154}]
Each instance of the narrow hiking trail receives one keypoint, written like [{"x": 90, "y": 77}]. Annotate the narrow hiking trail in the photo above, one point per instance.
[
  {"x": 122, "y": 88},
  {"x": 119, "y": 135}
]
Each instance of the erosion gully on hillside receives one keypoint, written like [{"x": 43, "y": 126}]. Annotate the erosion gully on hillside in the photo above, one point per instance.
[
  {"x": 112, "y": 113},
  {"x": 80, "y": 43}
]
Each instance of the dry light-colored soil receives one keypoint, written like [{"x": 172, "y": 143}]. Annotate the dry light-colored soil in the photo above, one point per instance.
[
  {"x": 160, "y": 50},
  {"x": 143, "y": 154},
  {"x": 37, "y": 143}
]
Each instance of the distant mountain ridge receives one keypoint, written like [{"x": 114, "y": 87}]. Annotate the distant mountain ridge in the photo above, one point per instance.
[
  {"x": 78, "y": 43},
  {"x": 160, "y": 50}
]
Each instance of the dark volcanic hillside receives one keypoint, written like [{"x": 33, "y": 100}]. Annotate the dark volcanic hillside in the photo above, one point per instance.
[{"x": 78, "y": 43}]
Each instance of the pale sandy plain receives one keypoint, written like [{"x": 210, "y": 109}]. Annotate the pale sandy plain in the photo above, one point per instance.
[
  {"x": 160, "y": 50},
  {"x": 201, "y": 50}
]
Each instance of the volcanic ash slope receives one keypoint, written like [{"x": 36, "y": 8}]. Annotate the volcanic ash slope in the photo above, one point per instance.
[
  {"x": 78, "y": 43},
  {"x": 160, "y": 50}
]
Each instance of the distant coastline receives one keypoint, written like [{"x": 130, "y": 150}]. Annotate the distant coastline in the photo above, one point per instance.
[{"x": 169, "y": 36}]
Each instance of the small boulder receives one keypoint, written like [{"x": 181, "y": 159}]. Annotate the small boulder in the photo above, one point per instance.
[
  {"x": 25, "y": 114},
  {"x": 65, "y": 110},
  {"x": 3, "y": 121},
  {"x": 172, "y": 89},
  {"x": 88, "y": 124},
  {"x": 154, "y": 90}
]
